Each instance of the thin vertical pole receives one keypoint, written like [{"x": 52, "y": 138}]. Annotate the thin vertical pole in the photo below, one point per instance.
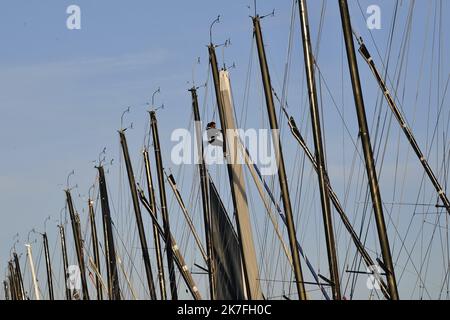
[
  {"x": 19, "y": 278},
  {"x": 6, "y": 288},
  {"x": 62, "y": 235},
  {"x": 156, "y": 236},
  {"x": 163, "y": 203},
  {"x": 319, "y": 148},
  {"x": 368, "y": 152},
  {"x": 94, "y": 235},
  {"x": 33, "y": 272},
  {"x": 138, "y": 214},
  {"x": 279, "y": 156},
  {"x": 12, "y": 282},
  {"x": 111, "y": 262},
  {"x": 78, "y": 243},
  {"x": 204, "y": 189},
  {"x": 48, "y": 265}
]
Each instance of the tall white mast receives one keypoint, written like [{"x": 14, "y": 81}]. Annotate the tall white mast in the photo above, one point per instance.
[
  {"x": 234, "y": 154},
  {"x": 33, "y": 272}
]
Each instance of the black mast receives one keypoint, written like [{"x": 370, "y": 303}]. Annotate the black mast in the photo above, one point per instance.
[
  {"x": 5, "y": 287},
  {"x": 404, "y": 125},
  {"x": 163, "y": 203},
  {"x": 65, "y": 261},
  {"x": 98, "y": 283},
  {"x": 368, "y": 152},
  {"x": 279, "y": 154},
  {"x": 204, "y": 188},
  {"x": 156, "y": 236},
  {"x": 78, "y": 243},
  {"x": 110, "y": 252},
  {"x": 137, "y": 211},
  {"x": 48, "y": 267},
  {"x": 12, "y": 282},
  {"x": 19, "y": 279},
  {"x": 319, "y": 154}
]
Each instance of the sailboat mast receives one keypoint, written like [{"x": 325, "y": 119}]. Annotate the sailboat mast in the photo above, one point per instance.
[
  {"x": 78, "y": 243},
  {"x": 6, "y": 288},
  {"x": 163, "y": 203},
  {"x": 138, "y": 214},
  {"x": 279, "y": 156},
  {"x": 12, "y": 281},
  {"x": 110, "y": 251},
  {"x": 19, "y": 277},
  {"x": 368, "y": 152},
  {"x": 404, "y": 125},
  {"x": 62, "y": 235},
  {"x": 33, "y": 272},
  {"x": 48, "y": 267},
  {"x": 237, "y": 183},
  {"x": 319, "y": 148},
  {"x": 204, "y": 189},
  {"x": 98, "y": 283},
  {"x": 156, "y": 236}
]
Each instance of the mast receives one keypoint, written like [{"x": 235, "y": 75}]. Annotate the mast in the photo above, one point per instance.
[
  {"x": 279, "y": 156},
  {"x": 237, "y": 184},
  {"x": 368, "y": 152},
  {"x": 138, "y": 214},
  {"x": 98, "y": 284},
  {"x": 33, "y": 272},
  {"x": 204, "y": 189},
  {"x": 62, "y": 235},
  {"x": 156, "y": 238},
  {"x": 12, "y": 281},
  {"x": 404, "y": 125},
  {"x": 110, "y": 252},
  {"x": 320, "y": 154},
  {"x": 48, "y": 267},
  {"x": 75, "y": 220},
  {"x": 163, "y": 202},
  {"x": 19, "y": 278},
  {"x": 6, "y": 288}
]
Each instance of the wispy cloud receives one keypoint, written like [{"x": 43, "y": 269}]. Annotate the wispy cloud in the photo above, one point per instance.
[{"x": 87, "y": 66}]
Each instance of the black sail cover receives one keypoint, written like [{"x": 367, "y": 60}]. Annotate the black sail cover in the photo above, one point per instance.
[{"x": 226, "y": 251}]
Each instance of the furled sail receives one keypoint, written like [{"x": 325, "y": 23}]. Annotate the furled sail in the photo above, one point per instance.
[{"x": 226, "y": 251}]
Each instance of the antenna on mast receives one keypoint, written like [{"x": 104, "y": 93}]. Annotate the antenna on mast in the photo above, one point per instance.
[
  {"x": 28, "y": 236},
  {"x": 197, "y": 62},
  {"x": 153, "y": 107},
  {"x": 68, "y": 179},
  {"x": 121, "y": 120},
  {"x": 45, "y": 223},
  {"x": 217, "y": 20},
  {"x": 153, "y": 96}
]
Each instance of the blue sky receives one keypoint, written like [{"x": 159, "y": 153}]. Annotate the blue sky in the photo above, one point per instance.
[{"x": 62, "y": 93}]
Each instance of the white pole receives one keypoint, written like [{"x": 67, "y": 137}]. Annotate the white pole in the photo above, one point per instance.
[{"x": 33, "y": 272}]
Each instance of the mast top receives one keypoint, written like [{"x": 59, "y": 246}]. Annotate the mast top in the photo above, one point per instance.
[
  {"x": 217, "y": 20},
  {"x": 122, "y": 129}
]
